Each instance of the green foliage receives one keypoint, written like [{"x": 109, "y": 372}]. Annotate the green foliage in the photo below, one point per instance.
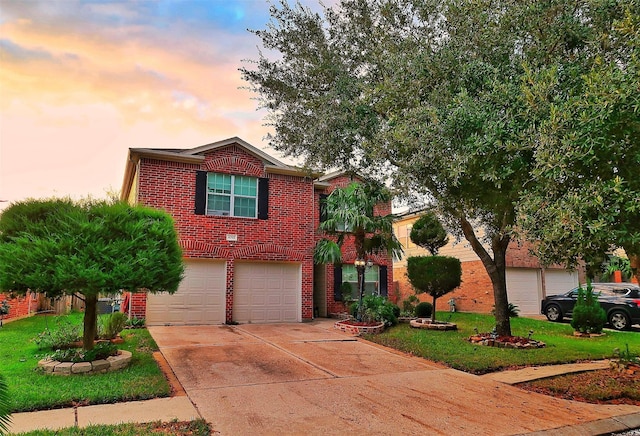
[
  {"x": 616, "y": 263},
  {"x": 5, "y": 409},
  {"x": 135, "y": 323},
  {"x": 427, "y": 232},
  {"x": 585, "y": 199},
  {"x": 102, "y": 350},
  {"x": 113, "y": 324},
  {"x": 409, "y": 305},
  {"x": 351, "y": 216},
  {"x": 62, "y": 335},
  {"x": 346, "y": 290},
  {"x": 453, "y": 349},
  {"x": 350, "y": 213},
  {"x": 588, "y": 316},
  {"x": 423, "y": 310},
  {"x": 435, "y": 275},
  {"x": 59, "y": 247},
  {"x": 626, "y": 357},
  {"x": 514, "y": 311},
  {"x": 376, "y": 308}
]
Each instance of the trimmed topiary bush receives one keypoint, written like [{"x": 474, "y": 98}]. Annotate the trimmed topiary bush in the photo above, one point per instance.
[
  {"x": 435, "y": 275},
  {"x": 588, "y": 316},
  {"x": 424, "y": 310}
]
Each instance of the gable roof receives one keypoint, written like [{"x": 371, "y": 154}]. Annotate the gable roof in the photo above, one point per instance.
[{"x": 196, "y": 156}]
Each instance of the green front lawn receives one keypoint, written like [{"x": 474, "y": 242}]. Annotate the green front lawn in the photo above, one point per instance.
[
  {"x": 452, "y": 348},
  {"x": 30, "y": 389}
]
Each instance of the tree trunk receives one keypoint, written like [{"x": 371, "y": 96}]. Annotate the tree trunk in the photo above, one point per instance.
[
  {"x": 496, "y": 269},
  {"x": 90, "y": 321}
]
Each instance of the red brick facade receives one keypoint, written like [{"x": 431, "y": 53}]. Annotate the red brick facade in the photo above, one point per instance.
[{"x": 167, "y": 180}]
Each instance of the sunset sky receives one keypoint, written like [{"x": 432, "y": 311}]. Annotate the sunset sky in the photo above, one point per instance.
[{"x": 82, "y": 81}]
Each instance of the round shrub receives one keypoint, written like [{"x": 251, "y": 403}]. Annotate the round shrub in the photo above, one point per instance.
[{"x": 424, "y": 309}]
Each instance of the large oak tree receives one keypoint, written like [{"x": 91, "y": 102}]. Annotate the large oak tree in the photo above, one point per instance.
[{"x": 431, "y": 94}]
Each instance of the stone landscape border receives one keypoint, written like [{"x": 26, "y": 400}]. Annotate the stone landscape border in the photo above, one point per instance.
[
  {"x": 111, "y": 363},
  {"x": 358, "y": 329}
]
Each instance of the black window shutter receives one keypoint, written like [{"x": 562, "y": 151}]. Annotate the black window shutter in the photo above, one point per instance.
[
  {"x": 337, "y": 282},
  {"x": 384, "y": 291},
  {"x": 201, "y": 192},
  {"x": 323, "y": 207},
  {"x": 263, "y": 198}
]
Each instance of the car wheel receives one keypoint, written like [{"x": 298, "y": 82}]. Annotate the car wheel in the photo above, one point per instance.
[
  {"x": 553, "y": 313},
  {"x": 619, "y": 320}
]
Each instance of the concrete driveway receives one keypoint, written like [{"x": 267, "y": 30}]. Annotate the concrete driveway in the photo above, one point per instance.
[{"x": 310, "y": 379}]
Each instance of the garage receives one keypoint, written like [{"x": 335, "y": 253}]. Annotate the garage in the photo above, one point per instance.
[
  {"x": 559, "y": 281},
  {"x": 266, "y": 292},
  {"x": 200, "y": 299},
  {"x": 523, "y": 289}
]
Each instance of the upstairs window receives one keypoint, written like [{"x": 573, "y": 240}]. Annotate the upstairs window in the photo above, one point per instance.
[{"x": 229, "y": 195}]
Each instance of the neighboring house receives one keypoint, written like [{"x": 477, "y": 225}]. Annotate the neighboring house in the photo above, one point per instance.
[
  {"x": 527, "y": 281},
  {"x": 247, "y": 226}
]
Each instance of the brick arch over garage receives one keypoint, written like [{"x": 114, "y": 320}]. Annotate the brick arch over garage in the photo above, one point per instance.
[
  {"x": 257, "y": 251},
  {"x": 277, "y": 252}
]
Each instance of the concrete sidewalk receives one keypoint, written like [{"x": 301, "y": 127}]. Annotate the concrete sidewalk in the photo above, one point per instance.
[
  {"x": 159, "y": 409},
  {"x": 513, "y": 377}
]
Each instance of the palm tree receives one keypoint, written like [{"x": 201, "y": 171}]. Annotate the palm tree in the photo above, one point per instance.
[
  {"x": 350, "y": 216},
  {"x": 5, "y": 419}
]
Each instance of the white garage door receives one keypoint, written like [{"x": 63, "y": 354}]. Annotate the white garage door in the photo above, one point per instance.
[
  {"x": 266, "y": 292},
  {"x": 559, "y": 281},
  {"x": 523, "y": 289},
  {"x": 200, "y": 299}
]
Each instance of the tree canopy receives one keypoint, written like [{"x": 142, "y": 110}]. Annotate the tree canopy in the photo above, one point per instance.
[
  {"x": 60, "y": 247},
  {"x": 427, "y": 232},
  {"x": 435, "y": 95},
  {"x": 586, "y": 199}
]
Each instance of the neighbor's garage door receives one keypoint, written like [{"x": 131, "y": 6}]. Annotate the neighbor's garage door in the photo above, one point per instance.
[
  {"x": 200, "y": 299},
  {"x": 559, "y": 281},
  {"x": 523, "y": 289},
  {"x": 266, "y": 292}
]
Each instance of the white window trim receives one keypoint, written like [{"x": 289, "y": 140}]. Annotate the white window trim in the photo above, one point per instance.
[{"x": 232, "y": 196}]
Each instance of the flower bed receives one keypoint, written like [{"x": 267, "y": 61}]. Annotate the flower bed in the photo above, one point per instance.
[
  {"x": 111, "y": 363},
  {"x": 359, "y": 328}
]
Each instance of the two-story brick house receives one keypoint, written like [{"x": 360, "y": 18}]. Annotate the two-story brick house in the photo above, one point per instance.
[{"x": 247, "y": 225}]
